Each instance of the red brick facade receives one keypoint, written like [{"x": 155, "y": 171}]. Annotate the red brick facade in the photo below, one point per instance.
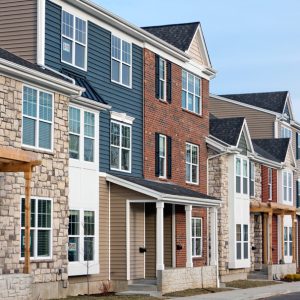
[
  {"x": 182, "y": 126},
  {"x": 265, "y": 187}
]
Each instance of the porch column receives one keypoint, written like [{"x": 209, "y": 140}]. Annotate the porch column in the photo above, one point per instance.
[
  {"x": 270, "y": 238},
  {"x": 160, "y": 236},
  {"x": 282, "y": 236},
  {"x": 188, "y": 222},
  {"x": 294, "y": 236},
  {"x": 213, "y": 236}
]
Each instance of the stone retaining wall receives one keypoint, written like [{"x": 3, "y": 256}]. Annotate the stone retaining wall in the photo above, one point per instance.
[
  {"x": 179, "y": 279},
  {"x": 278, "y": 271}
]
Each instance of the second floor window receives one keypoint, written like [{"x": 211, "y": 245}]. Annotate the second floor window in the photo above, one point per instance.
[
  {"x": 297, "y": 145},
  {"x": 286, "y": 132},
  {"x": 270, "y": 183},
  {"x": 120, "y": 61},
  {"x": 192, "y": 163},
  {"x": 162, "y": 156},
  {"x": 196, "y": 237},
  {"x": 120, "y": 147},
  {"x": 73, "y": 40},
  {"x": 298, "y": 193},
  {"x": 287, "y": 186},
  {"x": 37, "y": 123},
  {"x": 82, "y": 134},
  {"x": 162, "y": 79},
  {"x": 252, "y": 179},
  {"x": 191, "y": 93},
  {"x": 241, "y": 175}
]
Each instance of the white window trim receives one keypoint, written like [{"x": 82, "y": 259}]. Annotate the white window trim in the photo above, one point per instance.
[
  {"x": 122, "y": 117},
  {"x": 121, "y": 62},
  {"x": 195, "y": 238},
  {"x": 298, "y": 148},
  {"x": 289, "y": 188},
  {"x": 37, "y": 119},
  {"x": 164, "y": 157},
  {"x": 164, "y": 80},
  {"x": 241, "y": 175},
  {"x": 192, "y": 164},
  {"x": 120, "y": 147},
  {"x": 74, "y": 41},
  {"x": 37, "y": 258},
  {"x": 82, "y": 136},
  {"x": 252, "y": 167},
  {"x": 270, "y": 184},
  {"x": 194, "y": 94}
]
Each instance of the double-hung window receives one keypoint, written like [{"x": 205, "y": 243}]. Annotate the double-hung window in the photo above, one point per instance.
[
  {"x": 196, "y": 237},
  {"x": 191, "y": 93},
  {"x": 81, "y": 236},
  {"x": 121, "y": 61},
  {"x": 270, "y": 183},
  {"x": 287, "y": 186},
  {"x": 73, "y": 40},
  {"x": 37, "y": 118},
  {"x": 162, "y": 79},
  {"x": 298, "y": 193},
  {"x": 82, "y": 134},
  {"x": 120, "y": 147},
  {"x": 242, "y": 241},
  {"x": 40, "y": 228},
  {"x": 252, "y": 179},
  {"x": 241, "y": 176},
  {"x": 162, "y": 156},
  {"x": 286, "y": 132},
  {"x": 192, "y": 163},
  {"x": 288, "y": 241},
  {"x": 297, "y": 145}
]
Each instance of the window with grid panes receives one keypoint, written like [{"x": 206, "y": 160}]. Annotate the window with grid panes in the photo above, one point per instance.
[{"x": 192, "y": 163}]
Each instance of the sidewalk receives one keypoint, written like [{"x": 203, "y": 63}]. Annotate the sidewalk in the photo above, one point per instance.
[{"x": 250, "y": 294}]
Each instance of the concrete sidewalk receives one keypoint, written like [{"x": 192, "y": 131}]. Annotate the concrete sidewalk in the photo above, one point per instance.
[{"x": 250, "y": 294}]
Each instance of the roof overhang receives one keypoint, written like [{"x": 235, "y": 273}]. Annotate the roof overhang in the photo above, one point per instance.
[
  {"x": 176, "y": 199},
  {"x": 89, "y": 103}
]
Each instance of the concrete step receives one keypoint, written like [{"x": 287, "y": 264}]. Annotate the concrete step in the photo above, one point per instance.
[
  {"x": 142, "y": 287},
  {"x": 140, "y": 293},
  {"x": 143, "y": 281},
  {"x": 258, "y": 275}
]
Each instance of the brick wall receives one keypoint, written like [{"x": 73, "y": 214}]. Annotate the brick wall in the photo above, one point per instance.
[
  {"x": 170, "y": 119},
  {"x": 265, "y": 188}
]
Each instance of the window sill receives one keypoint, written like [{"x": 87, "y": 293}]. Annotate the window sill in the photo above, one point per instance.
[
  {"x": 192, "y": 113},
  {"x": 192, "y": 183},
  {"x": 162, "y": 101},
  {"x": 197, "y": 257},
  {"x": 122, "y": 171},
  {"x": 38, "y": 150},
  {"x": 37, "y": 260}
]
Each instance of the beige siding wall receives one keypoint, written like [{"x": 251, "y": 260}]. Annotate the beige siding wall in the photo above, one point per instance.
[
  {"x": 137, "y": 240},
  {"x": 196, "y": 50},
  {"x": 18, "y": 27},
  {"x": 150, "y": 213},
  {"x": 261, "y": 125}
]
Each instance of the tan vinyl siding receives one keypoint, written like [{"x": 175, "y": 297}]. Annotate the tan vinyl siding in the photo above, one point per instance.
[
  {"x": 261, "y": 125},
  {"x": 168, "y": 235},
  {"x": 196, "y": 50},
  {"x": 150, "y": 214},
  {"x": 104, "y": 229},
  {"x": 18, "y": 27},
  {"x": 137, "y": 240}
]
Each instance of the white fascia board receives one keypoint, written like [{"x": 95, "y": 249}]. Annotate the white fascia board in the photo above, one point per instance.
[
  {"x": 295, "y": 124},
  {"x": 222, "y": 146},
  {"x": 38, "y": 78},
  {"x": 267, "y": 162},
  {"x": 191, "y": 201},
  {"x": 245, "y": 105},
  {"x": 248, "y": 137},
  {"x": 89, "y": 103}
]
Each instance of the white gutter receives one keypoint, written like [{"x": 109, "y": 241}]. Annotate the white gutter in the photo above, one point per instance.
[{"x": 89, "y": 103}]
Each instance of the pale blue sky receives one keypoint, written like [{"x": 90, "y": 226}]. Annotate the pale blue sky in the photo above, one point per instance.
[{"x": 253, "y": 44}]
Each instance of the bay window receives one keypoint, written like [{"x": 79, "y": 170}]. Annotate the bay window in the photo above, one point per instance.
[
  {"x": 196, "y": 237},
  {"x": 242, "y": 241},
  {"x": 241, "y": 176},
  {"x": 252, "y": 179},
  {"x": 286, "y": 132}
]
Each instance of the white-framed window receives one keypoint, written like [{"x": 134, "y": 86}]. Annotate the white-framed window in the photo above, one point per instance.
[
  {"x": 192, "y": 163},
  {"x": 252, "y": 179},
  {"x": 191, "y": 93},
  {"x": 197, "y": 237},
  {"x": 270, "y": 183},
  {"x": 120, "y": 147},
  {"x": 298, "y": 193},
  {"x": 287, "y": 185},
  {"x": 81, "y": 236},
  {"x": 241, "y": 175},
  {"x": 121, "y": 61},
  {"x": 288, "y": 241},
  {"x": 37, "y": 121},
  {"x": 73, "y": 40},
  {"x": 242, "y": 241},
  {"x": 162, "y": 79},
  {"x": 40, "y": 228},
  {"x": 286, "y": 132},
  {"x": 162, "y": 156},
  {"x": 298, "y": 145},
  {"x": 82, "y": 134}
]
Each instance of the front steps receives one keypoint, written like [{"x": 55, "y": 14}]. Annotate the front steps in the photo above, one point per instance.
[
  {"x": 142, "y": 287},
  {"x": 258, "y": 275}
]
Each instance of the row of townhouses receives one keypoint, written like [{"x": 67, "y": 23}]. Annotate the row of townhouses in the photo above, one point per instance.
[{"x": 118, "y": 168}]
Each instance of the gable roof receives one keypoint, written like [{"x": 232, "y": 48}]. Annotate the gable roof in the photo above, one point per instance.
[
  {"x": 227, "y": 130},
  {"x": 272, "y": 149},
  {"x": 273, "y": 101},
  {"x": 178, "y": 35},
  {"x": 4, "y": 54}
]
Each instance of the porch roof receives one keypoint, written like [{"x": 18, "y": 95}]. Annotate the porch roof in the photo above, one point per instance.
[
  {"x": 272, "y": 207},
  {"x": 163, "y": 191}
]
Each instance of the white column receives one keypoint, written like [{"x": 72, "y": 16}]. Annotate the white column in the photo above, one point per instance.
[
  {"x": 188, "y": 222},
  {"x": 160, "y": 236},
  {"x": 213, "y": 212}
]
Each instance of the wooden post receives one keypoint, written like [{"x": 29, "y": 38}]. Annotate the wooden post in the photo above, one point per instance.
[
  {"x": 265, "y": 234},
  {"x": 282, "y": 236},
  {"x": 28, "y": 176},
  {"x": 270, "y": 238},
  {"x": 294, "y": 236}
]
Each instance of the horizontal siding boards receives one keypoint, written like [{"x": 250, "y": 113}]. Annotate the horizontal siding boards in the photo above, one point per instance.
[
  {"x": 150, "y": 232},
  {"x": 168, "y": 235},
  {"x": 18, "y": 22},
  {"x": 261, "y": 125},
  {"x": 121, "y": 99}
]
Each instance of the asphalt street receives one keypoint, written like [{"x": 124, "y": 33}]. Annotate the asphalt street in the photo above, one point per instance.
[{"x": 292, "y": 296}]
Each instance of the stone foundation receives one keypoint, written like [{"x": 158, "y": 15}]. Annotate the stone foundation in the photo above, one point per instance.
[
  {"x": 179, "y": 279},
  {"x": 278, "y": 271}
]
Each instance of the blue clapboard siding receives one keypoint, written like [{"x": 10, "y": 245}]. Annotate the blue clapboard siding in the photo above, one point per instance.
[{"x": 121, "y": 99}]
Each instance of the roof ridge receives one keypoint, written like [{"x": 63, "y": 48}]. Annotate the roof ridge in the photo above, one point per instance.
[
  {"x": 174, "y": 24},
  {"x": 251, "y": 93}
]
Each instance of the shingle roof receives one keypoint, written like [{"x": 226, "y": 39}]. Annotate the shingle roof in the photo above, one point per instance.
[
  {"x": 272, "y": 149},
  {"x": 165, "y": 188},
  {"x": 178, "y": 35},
  {"x": 227, "y": 130},
  {"x": 22, "y": 62},
  {"x": 90, "y": 92},
  {"x": 273, "y": 101}
]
